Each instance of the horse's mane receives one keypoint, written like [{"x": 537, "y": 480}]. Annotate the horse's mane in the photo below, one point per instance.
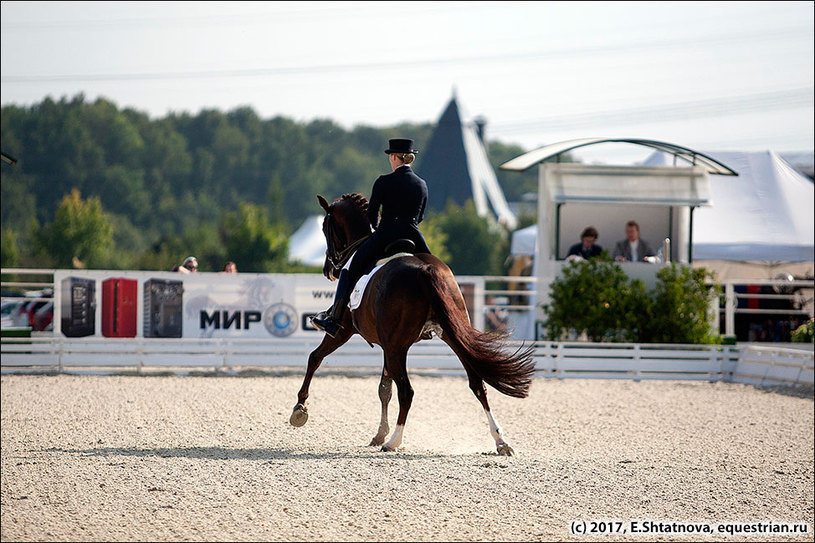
[
  {"x": 354, "y": 208},
  {"x": 359, "y": 201}
]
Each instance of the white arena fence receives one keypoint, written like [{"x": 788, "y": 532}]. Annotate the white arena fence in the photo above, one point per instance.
[
  {"x": 751, "y": 364},
  {"x": 765, "y": 366}
]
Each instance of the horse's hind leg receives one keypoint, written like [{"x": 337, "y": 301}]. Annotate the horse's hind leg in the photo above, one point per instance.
[
  {"x": 299, "y": 415},
  {"x": 477, "y": 386},
  {"x": 385, "y": 392},
  {"x": 396, "y": 365}
]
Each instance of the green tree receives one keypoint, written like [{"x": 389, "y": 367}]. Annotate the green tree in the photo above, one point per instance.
[
  {"x": 475, "y": 246},
  {"x": 252, "y": 242},
  {"x": 204, "y": 242},
  {"x": 9, "y": 254},
  {"x": 80, "y": 231},
  {"x": 435, "y": 237},
  {"x": 160, "y": 179},
  {"x": 168, "y": 251}
]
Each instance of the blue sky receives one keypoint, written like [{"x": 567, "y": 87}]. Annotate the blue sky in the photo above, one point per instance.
[{"x": 708, "y": 75}]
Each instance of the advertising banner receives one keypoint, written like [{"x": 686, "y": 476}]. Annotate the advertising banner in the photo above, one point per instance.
[{"x": 115, "y": 303}]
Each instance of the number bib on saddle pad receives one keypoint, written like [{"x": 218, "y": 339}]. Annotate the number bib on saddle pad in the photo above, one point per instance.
[{"x": 359, "y": 289}]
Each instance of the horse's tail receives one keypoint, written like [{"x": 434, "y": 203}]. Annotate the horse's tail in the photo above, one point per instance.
[{"x": 481, "y": 353}]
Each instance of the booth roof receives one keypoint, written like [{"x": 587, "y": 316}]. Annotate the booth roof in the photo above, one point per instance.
[{"x": 537, "y": 156}]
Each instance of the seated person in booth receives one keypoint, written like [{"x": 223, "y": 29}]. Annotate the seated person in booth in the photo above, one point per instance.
[
  {"x": 633, "y": 248},
  {"x": 586, "y": 248}
]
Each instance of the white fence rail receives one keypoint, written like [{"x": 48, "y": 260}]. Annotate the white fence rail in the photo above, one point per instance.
[
  {"x": 561, "y": 360},
  {"x": 745, "y": 364}
]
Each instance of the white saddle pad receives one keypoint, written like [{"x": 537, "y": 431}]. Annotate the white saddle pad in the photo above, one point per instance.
[{"x": 359, "y": 289}]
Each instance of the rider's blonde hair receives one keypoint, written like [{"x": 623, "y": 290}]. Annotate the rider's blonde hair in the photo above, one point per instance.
[{"x": 406, "y": 158}]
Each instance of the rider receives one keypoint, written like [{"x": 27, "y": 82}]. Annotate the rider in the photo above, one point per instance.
[{"x": 403, "y": 196}]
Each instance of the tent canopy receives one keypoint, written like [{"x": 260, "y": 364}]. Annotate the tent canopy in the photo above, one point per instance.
[
  {"x": 523, "y": 241},
  {"x": 766, "y": 214}
]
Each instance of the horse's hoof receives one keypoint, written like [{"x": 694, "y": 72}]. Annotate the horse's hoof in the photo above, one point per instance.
[
  {"x": 376, "y": 441},
  {"x": 505, "y": 450},
  {"x": 385, "y": 448},
  {"x": 299, "y": 416}
]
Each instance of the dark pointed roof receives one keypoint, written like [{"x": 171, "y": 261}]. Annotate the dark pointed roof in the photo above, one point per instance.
[
  {"x": 456, "y": 168},
  {"x": 444, "y": 166}
]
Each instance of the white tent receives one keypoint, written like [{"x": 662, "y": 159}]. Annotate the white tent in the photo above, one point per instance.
[
  {"x": 523, "y": 241},
  {"x": 765, "y": 214},
  {"x": 307, "y": 244}
]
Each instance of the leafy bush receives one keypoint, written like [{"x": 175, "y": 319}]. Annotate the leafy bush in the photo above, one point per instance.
[
  {"x": 680, "y": 306},
  {"x": 804, "y": 333},
  {"x": 596, "y": 297}
]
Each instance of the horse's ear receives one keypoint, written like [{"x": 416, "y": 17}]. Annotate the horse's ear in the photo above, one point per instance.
[{"x": 324, "y": 204}]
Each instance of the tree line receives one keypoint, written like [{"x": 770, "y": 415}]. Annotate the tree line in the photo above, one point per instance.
[{"x": 101, "y": 187}]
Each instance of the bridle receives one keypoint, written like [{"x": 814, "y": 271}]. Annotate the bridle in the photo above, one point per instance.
[{"x": 336, "y": 256}]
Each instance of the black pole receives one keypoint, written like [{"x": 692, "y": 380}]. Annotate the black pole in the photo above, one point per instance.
[
  {"x": 557, "y": 231},
  {"x": 690, "y": 237}
]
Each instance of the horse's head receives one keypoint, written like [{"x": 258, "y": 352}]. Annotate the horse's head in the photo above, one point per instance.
[{"x": 345, "y": 227}]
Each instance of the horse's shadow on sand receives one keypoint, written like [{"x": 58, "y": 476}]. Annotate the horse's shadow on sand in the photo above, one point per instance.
[{"x": 260, "y": 454}]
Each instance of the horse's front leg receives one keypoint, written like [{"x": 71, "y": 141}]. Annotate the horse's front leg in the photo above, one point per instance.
[
  {"x": 396, "y": 365},
  {"x": 385, "y": 393},
  {"x": 327, "y": 346},
  {"x": 477, "y": 386}
]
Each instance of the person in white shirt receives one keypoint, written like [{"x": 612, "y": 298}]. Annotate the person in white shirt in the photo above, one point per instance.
[{"x": 632, "y": 249}]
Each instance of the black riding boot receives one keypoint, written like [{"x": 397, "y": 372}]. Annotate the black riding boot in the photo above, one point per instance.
[{"x": 330, "y": 321}]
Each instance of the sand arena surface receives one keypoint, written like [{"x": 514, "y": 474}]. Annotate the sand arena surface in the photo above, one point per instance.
[{"x": 179, "y": 458}]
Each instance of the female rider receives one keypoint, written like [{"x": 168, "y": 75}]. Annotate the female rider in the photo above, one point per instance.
[{"x": 402, "y": 195}]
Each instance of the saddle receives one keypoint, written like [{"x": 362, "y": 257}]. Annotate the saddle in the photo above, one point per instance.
[{"x": 400, "y": 247}]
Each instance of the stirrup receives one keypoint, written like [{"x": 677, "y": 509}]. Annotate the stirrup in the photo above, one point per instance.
[
  {"x": 327, "y": 324},
  {"x": 317, "y": 319}
]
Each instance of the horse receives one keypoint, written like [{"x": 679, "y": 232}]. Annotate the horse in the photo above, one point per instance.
[{"x": 407, "y": 297}]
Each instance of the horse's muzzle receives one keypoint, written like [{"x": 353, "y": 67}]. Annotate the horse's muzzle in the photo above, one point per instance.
[{"x": 331, "y": 272}]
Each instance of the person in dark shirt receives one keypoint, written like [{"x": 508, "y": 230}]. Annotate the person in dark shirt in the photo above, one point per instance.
[
  {"x": 586, "y": 248},
  {"x": 402, "y": 197}
]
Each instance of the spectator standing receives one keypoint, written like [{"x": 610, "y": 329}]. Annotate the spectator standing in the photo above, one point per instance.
[{"x": 190, "y": 265}]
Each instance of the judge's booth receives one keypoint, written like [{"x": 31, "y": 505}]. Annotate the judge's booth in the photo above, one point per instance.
[{"x": 572, "y": 196}]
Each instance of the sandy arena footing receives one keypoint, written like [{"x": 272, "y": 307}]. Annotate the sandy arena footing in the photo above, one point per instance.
[{"x": 183, "y": 458}]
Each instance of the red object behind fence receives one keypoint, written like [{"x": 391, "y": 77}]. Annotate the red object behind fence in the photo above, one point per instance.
[{"x": 119, "y": 307}]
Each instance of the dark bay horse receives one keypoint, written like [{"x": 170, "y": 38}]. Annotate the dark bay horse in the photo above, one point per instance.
[{"x": 406, "y": 297}]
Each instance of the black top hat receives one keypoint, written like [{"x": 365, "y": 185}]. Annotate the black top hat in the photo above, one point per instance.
[{"x": 400, "y": 146}]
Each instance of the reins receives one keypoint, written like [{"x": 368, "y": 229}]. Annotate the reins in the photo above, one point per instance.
[{"x": 336, "y": 258}]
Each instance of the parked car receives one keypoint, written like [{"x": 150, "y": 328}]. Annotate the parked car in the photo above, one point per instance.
[
  {"x": 43, "y": 319},
  {"x": 19, "y": 316},
  {"x": 8, "y": 311},
  {"x": 23, "y": 313}
]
